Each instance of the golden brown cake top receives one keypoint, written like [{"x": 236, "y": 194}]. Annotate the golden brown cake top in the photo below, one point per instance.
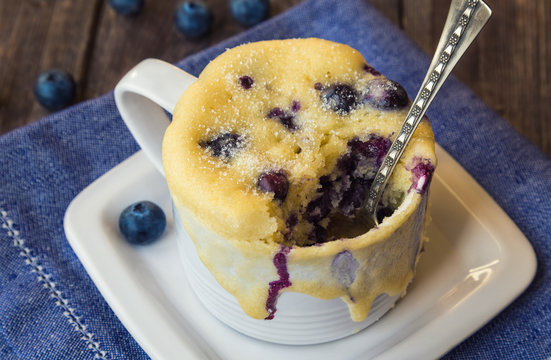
[{"x": 265, "y": 121}]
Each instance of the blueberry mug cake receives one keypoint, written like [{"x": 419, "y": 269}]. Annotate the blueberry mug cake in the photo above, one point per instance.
[{"x": 273, "y": 150}]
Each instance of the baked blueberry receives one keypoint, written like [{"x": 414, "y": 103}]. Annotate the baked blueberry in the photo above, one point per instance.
[
  {"x": 371, "y": 70},
  {"x": 289, "y": 122},
  {"x": 224, "y": 145},
  {"x": 286, "y": 119},
  {"x": 246, "y": 82},
  {"x": 55, "y": 89},
  {"x": 296, "y": 106},
  {"x": 274, "y": 182},
  {"x": 193, "y": 18},
  {"x": 319, "y": 208},
  {"x": 421, "y": 176},
  {"x": 126, "y": 7},
  {"x": 375, "y": 147},
  {"x": 250, "y": 12},
  {"x": 385, "y": 94},
  {"x": 275, "y": 113},
  {"x": 142, "y": 222},
  {"x": 353, "y": 197},
  {"x": 340, "y": 98}
]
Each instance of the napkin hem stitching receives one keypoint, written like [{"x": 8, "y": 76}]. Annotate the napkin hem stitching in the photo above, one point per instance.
[{"x": 44, "y": 278}]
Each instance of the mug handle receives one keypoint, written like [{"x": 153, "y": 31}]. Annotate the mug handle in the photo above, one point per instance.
[{"x": 142, "y": 94}]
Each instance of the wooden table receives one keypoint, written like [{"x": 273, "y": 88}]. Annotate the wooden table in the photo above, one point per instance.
[{"x": 509, "y": 66}]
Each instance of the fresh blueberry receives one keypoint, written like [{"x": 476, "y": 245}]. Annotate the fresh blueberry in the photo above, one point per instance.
[
  {"x": 224, "y": 145},
  {"x": 341, "y": 98},
  {"x": 274, "y": 182},
  {"x": 250, "y": 12},
  {"x": 142, "y": 222},
  {"x": 193, "y": 18},
  {"x": 55, "y": 89},
  {"x": 246, "y": 82},
  {"x": 126, "y": 7},
  {"x": 385, "y": 94}
]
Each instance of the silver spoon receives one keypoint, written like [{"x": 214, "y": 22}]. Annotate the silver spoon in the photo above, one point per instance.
[{"x": 465, "y": 20}]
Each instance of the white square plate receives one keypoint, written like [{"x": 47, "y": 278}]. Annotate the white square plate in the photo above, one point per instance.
[{"x": 476, "y": 263}]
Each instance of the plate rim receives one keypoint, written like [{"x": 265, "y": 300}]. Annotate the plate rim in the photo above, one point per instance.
[{"x": 191, "y": 345}]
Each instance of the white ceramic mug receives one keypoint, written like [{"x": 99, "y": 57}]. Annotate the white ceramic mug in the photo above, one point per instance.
[{"x": 141, "y": 96}]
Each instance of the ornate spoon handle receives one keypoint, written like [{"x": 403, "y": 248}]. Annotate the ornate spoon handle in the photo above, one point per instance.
[{"x": 465, "y": 20}]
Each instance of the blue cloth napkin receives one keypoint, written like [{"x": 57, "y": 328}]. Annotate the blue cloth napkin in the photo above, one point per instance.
[{"x": 50, "y": 308}]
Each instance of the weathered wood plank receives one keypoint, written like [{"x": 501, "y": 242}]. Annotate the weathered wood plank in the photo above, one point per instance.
[
  {"x": 508, "y": 66},
  {"x": 122, "y": 42},
  {"x": 38, "y": 35},
  {"x": 515, "y": 67},
  {"x": 23, "y": 27}
]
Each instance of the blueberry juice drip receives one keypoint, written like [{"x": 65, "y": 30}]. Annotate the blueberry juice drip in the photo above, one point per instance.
[{"x": 280, "y": 263}]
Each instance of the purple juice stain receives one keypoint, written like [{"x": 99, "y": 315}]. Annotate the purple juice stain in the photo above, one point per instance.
[
  {"x": 280, "y": 263},
  {"x": 421, "y": 175},
  {"x": 344, "y": 267},
  {"x": 290, "y": 224}
]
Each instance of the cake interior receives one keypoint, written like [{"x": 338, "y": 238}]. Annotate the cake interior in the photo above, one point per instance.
[
  {"x": 336, "y": 209},
  {"x": 307, "y": 138}
]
